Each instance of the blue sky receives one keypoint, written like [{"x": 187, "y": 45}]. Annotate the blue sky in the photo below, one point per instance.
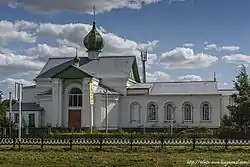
[{"x": 223, "y": 25}]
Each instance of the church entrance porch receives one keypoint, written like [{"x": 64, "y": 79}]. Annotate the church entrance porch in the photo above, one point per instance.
[{"x": 74, "y": 119}]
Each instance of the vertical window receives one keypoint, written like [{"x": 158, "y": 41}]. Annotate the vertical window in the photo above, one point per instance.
[
  {"x": 152, "y": 112},
  {"x": 16, "y": 118},
  {"x": 168, "y": 112},
  {"x": 135, "y": 112},
  {"x": 231, "y": 100},
  {"x": 187, "y": 111},
  {"x": 205, "y": 111},
  {"x": 75, "y": 97},
  {"x": 31, "y": 120}
]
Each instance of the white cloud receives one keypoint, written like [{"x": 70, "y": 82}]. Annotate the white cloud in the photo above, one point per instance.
[
  {"x": 190, "y": 78},
  {"x": 229, "y": 48},
  {"x": 221, "y": 48},
  {"x": 158, "y": 76},
  {"x": 210, "y": 47},
  {"x": 189, "y": 45},
  {"x": 18, "y": 62},
  {"x": 237, "y": 58},
  {"x": 17, "y": 31},
  {"x": 10, "y": 82},
  {"x": 186, "y": 58},
  {"x": 85, "y": 6},
  {"x": 43, "y": 52},
  {"x": 73, "y": 34}
]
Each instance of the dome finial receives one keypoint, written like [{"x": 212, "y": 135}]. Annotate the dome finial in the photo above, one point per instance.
[
  {"x": 94, "y": 13},
  {"x": 94, "y": 18}
]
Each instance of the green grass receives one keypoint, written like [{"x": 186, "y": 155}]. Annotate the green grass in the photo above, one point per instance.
[{"x": 33, "y": 156}]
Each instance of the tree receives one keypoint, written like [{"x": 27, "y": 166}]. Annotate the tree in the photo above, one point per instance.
[
  {"x": 226, "y": 121},
  {"x": 240, "y": 110},
  {"x": 4, "y": 106}
]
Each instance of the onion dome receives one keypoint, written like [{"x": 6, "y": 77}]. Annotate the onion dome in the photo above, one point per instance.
[{"x": 93, "y": 40}]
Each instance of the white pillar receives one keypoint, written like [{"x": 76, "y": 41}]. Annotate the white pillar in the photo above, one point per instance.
[
  {"x": 87, "y": 109},
  {"x": 83, "y": 103},
  {"x": 57, "y": 102},
  {"x": 60, "y": 89}
]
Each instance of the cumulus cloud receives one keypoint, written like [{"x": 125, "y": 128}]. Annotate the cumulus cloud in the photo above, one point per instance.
[
  {"x": 11, "y": 81},
  {"x": 237, "y": 58},
  {"x": 158, "y": 76},
  {"x": 17, "y": 31},
  {"x": 190, "y": 78},
  {"x": 85, "y": 6},
  {"x": 221, "y": 48},
  {"x": 186, "y": 58},
  {"x": 18, "y": 62},
  {"x": 43, "y": 52}
]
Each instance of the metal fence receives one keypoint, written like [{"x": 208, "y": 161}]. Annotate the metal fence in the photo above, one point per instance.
[{"x": 129, "y": 140}]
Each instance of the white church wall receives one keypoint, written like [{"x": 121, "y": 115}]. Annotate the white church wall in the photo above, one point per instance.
[
  {"x": 29, "y": 93},
  {"x": 178, "y": 101},
  {"x": 100, "y": 111},
  {"x": 225, "y": 103},
  {"x": 49, "y": 115},
  {"x": 226, "y": 94}
]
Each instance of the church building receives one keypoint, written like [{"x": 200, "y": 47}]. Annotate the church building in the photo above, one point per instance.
[{"x": 106, "y": 91}]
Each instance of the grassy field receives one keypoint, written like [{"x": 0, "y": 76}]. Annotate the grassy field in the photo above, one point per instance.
[{"x": 123, "y": 157}]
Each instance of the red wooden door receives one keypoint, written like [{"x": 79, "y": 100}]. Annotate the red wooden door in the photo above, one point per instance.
[{"x": 75, "y": 119}]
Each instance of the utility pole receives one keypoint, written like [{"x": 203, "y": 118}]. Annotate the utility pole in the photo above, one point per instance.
[
  {"x": 144, "y": 57},
  {"x": 18, "y": 96}
]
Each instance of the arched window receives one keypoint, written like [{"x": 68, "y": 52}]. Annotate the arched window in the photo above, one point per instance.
[
  {"x": 205, "y": 111},
  {"x": 75, "y": 97},
  {"x": 187, "y": 111},
  {"x": 168, "y": 112},
  {"x": 152, "y": 111},
  {"x": 135, "y": 112}
]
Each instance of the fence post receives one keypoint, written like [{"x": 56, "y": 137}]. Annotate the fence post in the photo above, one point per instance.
[
  {"x": 42, "y": 142},
  {"x": 19, "y": 145},
  {"x": 226, "y": 143},
  {"x": 14, "y": 141},
  {"x": 101, "y": 141},
  {"x": 131, "y": 141},
  {"x": 194, "y": 141},
  {"x": 162, "y": 141},
  {"x": 70, "y": 143}
]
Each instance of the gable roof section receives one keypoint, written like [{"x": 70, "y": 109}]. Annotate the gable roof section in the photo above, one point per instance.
[
  {"x": 52, "y": 67},
  {"x": 27, "y": 107},
  {"x": 113, "y": 70},
  {"x": 71, "y": 69}
]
